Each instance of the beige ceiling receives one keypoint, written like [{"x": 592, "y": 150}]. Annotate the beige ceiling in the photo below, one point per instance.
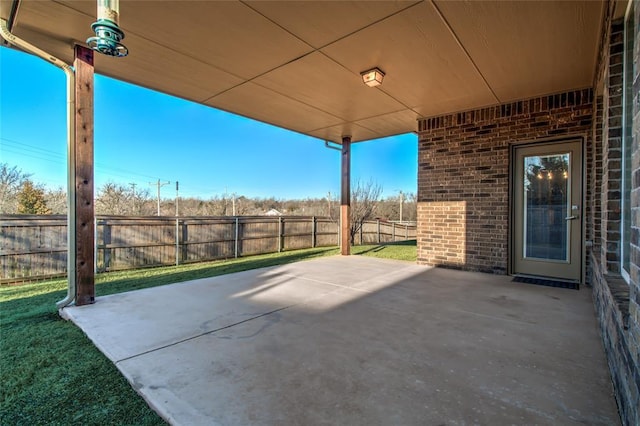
[{"x": 297, "y": 64}]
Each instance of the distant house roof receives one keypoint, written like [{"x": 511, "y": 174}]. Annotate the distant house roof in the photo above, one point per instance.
[{"x": 273, "y": 212}]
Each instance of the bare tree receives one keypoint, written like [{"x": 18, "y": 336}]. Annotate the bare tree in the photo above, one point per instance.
[
  {"x": 411, "y": 207},
  {"x": 11, "y": 180},
  {"x": 364, "y": 199},
  {"x": 389, "y": 208},
  {"x": 56, "y": 200},
  {"x": 112, "y": 199},
  {"x": 140, "y": 203},
  {"x": 242, "y": 205}
]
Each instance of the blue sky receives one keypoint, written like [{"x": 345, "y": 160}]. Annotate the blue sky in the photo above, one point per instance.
[{"x": 142, "y": 136}]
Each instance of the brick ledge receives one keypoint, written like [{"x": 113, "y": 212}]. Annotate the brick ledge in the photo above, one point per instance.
[{"x": 619, "y": 290}]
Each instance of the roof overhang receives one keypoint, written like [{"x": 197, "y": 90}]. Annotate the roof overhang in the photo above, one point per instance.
[{"x": 297, "y": 65}]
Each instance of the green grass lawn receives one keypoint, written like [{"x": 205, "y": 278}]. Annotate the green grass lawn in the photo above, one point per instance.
[
  {"x": 402, "y": 250},
  {"x": 50, "y": 372}
]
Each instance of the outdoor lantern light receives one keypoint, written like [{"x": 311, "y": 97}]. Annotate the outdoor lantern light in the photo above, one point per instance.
[
  {"x": 108, "y": 33},
  {"x": 373, "y": 77}
]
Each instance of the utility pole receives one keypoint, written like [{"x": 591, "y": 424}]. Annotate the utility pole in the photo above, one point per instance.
[
  {"x": 177, "y": 198},
  {"x": 159, "y": 185},
  {"x": 329, "y": 203}
]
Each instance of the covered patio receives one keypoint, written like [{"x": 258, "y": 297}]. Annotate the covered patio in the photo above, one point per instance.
[
  {"x": 492, "y": 89},
  {"x": 356, "y": 340}
]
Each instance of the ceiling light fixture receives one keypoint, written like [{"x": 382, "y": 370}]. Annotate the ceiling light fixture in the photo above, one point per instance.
[{"x": 372, "y": 77}]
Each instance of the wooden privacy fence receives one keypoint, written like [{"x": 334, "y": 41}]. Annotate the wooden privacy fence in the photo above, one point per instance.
[{"x": 34, "y": 247}]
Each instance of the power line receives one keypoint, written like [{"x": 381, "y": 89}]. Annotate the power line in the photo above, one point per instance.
[
  {"x": 33, "y": 155},
  {"x": 19, "y": 145},
  {"x": 32, "y": 151}
]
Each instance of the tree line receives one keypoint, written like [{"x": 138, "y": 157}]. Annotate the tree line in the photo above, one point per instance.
[{"x": 20, "y": 194}]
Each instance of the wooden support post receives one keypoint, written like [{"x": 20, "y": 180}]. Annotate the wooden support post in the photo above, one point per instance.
[
  {"x": 345, "y": 198},
  {"x": 83, "y": 176},
  {"x": 313, "y": 232}
]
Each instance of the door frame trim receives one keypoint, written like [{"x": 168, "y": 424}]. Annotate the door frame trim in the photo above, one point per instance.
[{"x": 577, "y": 137}]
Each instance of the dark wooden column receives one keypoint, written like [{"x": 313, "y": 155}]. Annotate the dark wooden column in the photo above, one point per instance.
[
  {"x": 345, "y": 198},
  {"x": 83, "y": 176}
]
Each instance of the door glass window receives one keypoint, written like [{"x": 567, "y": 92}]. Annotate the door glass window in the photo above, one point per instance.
[{"x": 546, "y": 207}]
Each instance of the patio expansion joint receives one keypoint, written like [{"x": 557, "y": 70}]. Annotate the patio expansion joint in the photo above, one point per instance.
[
  {"x": 327, "y": 283},
  {"x": 346, "y": 287},
  {"x": 187, "y": 339}
]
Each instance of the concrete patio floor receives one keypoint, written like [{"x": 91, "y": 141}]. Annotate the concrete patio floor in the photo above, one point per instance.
[{"x": 356, "y": 340}]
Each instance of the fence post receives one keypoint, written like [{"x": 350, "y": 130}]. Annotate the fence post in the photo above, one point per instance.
[
  {"x": 106, "y": 240},
  {"x": 393, "y": 231},
  {"x": 378, "y": 223},
  {"x": 177, "y": 241},
  {"x": 95, "y": 241},
  {"x": 361, "y": 232},
  {"x": 406, "y": 231},
  {"x": 280, "y": 229},
  {"x": 313, "y": 232},
  {"x": 236, "y": 238},
  {"x": 185, "y": 241}
]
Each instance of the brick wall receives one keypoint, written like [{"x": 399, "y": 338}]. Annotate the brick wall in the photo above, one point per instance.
[
  {"x": 634, "y": 273},
  {"x": 617, "y": 301},
  {"x": 463, "y": 175},
  {"x": 612, "y": 152},
  {"x": 594, "y": 177},
  {"x": 593, "y": 195},
  {"x": 634, "y": 290},
  {"x": 609, "y": 295}
]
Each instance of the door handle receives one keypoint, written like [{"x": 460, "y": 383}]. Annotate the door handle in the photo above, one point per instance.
[{"x": 574, "y": 217}]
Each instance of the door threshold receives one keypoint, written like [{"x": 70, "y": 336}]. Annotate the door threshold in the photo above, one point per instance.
[{"x": 549, "y": 282}]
